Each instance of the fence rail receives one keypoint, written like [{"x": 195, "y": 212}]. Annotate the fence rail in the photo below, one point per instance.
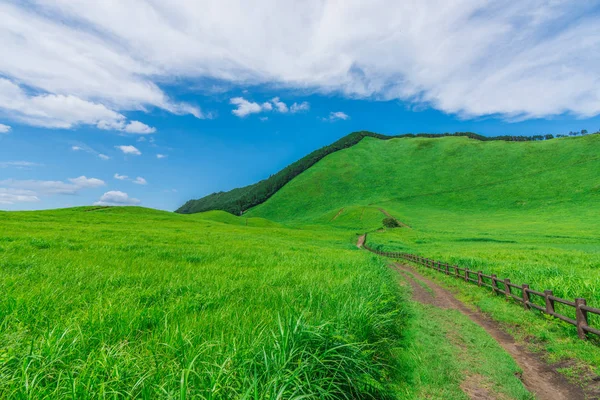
[{"x": 519, "y": 293}]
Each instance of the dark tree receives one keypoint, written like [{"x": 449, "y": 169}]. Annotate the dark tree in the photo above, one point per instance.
[{"x": 390, "y": 222}]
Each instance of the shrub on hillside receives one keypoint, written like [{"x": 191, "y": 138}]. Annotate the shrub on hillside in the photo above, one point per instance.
[{"x": 390, "y": 222}]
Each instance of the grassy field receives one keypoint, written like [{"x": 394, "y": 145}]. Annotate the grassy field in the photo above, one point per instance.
[
  {"x": 527, "y": 211},
  {"x": 130, "y": 302},
  {"x": 279, "y": 303}
]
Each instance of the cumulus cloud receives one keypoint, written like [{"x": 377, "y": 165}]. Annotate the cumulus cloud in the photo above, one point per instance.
[
  {"x": 85, "y": 182},
  {"x": 140, "y": 181},
  {"x": 4, "y": 128},
  {"x": 16, "y": 191},
  {"x": 12, "y": 196},
  {"x": 279, "y": 105},
  {"x": 103, "y": 157},
  {"x": 116, "y": 198},
  {"x": 62, "y": 111},
  {"x": 336, "y": 116},
  {"x": 300, "y": 107},
  {"x": 129, "y": 150},
  {"x": 469, "y": 58},
  {"x": 121, "y": 177},
  {"x": 160, "y": 156},
  {"x": 246, "y": 107},
  {"x": 139, "y": 128}
]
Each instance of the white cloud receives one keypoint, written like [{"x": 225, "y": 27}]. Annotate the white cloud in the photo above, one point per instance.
[
  {"x": 4, "y": 128},
  {"x": 121, "y": 177},
  {"x": 139, "y": 128},
  {"x": 88, "y": 149},
  {"x": 279, "y": 105},
  {"x": 129, "y": 150},
  {"x": 12, "y": 196},
  {"x": 336, "y": 116},
  {"x": 264, "y": 119},
  {"x": 49, "y": 188},
  {"x": 245, "y": 107},
  {"x": 523, "y": 59},
  {"x": 84, "y": 182},
  {"x": 160, "y": 156},
  {"x": 300, "y": 107},
  {"x": 141, "y": 139},
  {"x": 19, "y": 191},
  {"x": 62, "y": 111},
  {"x": 116, "y": 198},
  {"x": 19, "y": 164},
  {"x": 140, "y": 181}
]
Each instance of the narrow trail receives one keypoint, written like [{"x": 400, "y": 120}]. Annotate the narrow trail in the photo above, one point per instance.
[
  {"x": 361, "y": 241},
  {"x": 338, "y": 214},
  {"x": 538, "y": 377}
]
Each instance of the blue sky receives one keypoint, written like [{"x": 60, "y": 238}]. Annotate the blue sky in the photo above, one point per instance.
[{"x": 133, "y": 103}]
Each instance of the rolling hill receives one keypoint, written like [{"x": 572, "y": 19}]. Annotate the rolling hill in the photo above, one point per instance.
[
  {"x": 449, "y": 174},
  {"x": 239, "y": 200}
]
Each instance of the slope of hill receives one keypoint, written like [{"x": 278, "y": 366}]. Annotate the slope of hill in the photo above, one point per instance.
[
  {"x": 238, "y": 200},
  {"x": 527, "y": 211},
  {"x": 449, "y": 174}
]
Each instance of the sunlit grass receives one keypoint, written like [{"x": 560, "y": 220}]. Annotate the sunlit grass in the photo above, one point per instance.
[{"x": 139, "y": 303}]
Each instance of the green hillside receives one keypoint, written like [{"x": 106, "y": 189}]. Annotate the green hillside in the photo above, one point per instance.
[
  {"x": 127, "y": 302},
  {"x": 448, "y": 174},
  {"x": 523, "y": 210},
  {"x": 239, "y": 200}
]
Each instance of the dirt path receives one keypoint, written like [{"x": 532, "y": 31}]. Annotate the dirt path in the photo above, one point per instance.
[
  {"x": 361, "y": 241},
  {"x": 338, "y": 214},
  {"x": 538, "y": 377}
]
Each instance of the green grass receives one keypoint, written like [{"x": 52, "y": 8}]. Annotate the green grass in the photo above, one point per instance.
[
  {"x": 445, "y": 350},
  {"x": 130, "y": 302},
  {"x": 279, "y": 303},
  {"x": 527, "y": 211}
]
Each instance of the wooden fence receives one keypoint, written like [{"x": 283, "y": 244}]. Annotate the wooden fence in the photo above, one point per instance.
[{"x": 524, "y": 294}]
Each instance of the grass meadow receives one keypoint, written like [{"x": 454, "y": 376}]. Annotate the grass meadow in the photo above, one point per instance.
[
  {"x": 523, "y": 210},
  {"x": 130, "y": 302},
  {"x": 280, "y": 304}
]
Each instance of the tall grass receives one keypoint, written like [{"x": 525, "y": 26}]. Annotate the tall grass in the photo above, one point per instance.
[{"x": 134, "y": 303}]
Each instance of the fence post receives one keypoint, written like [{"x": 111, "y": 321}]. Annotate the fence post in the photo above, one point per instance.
[
  {"x": 466, "y": 274},
  {"x": 447, "y": 269},
  {"x": 549, "y": 302},
  {"x": 479, "y": 278},
  {"x": 524, "y": 289},
  {"x": 507, "y": 288},
  {"x": 582, "y": 318},
  {"x": 456, "y": 271},
  {"x": 494, "y": 284}
]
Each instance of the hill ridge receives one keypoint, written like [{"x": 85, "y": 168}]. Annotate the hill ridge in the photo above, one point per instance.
[{"x": 239, "y": 200}]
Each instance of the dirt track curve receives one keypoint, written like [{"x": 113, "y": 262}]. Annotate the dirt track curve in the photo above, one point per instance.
[{"x": 538, "y": 377}]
